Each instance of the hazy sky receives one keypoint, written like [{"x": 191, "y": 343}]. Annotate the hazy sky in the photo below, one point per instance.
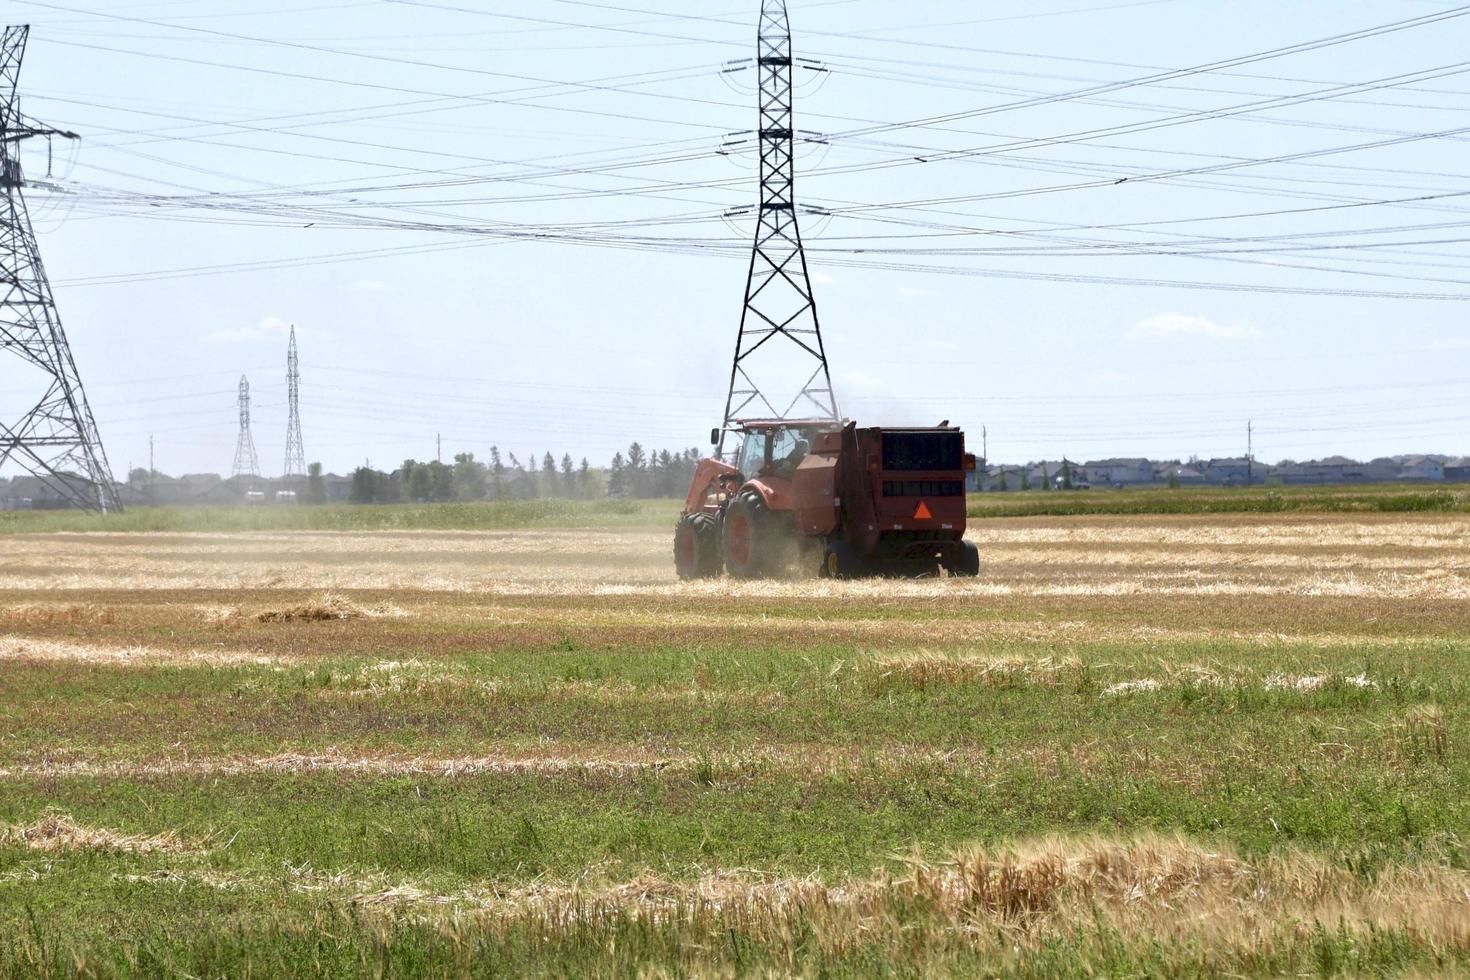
[{"x": 509, "y": 222}]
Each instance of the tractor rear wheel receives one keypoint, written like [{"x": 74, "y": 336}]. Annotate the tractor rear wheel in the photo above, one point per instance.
[
  {"x": 966, "y": 562},
  {"x": 696, "y": 547},
  {"x": 751, "y": 543}
]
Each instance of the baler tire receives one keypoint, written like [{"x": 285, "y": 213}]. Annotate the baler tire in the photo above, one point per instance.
[
  {"x": 696, "y": 554},
  {"x": 840, "y": 561},
  {"x": 747, "y": 536},
  {"x": 966, "y": 562}
]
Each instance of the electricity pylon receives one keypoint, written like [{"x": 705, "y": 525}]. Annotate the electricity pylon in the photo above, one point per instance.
[
  {"x": 246, "y": 463},
  {"x": 56, "y": 438},
  {"x": 295, "y": 453},
  {"x": 780, "y": 339}
]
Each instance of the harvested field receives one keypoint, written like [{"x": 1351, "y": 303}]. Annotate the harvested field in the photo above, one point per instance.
[{"x": 1137, "y": 744}]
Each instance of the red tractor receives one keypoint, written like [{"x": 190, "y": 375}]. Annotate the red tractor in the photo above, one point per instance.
[{"x": 843, "y": 500}]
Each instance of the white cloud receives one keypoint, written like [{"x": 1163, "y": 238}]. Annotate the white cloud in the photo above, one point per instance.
[
  {"x": 1164, "y": 325},
  {"x": 269, "y": 328}
]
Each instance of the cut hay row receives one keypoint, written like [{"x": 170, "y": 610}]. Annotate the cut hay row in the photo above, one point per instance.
[
  {"x": 333, "y": 762},
  {"x": 326, "y": 607},
  {"x": 14, "y": 647},
  {"x": 59, "y": 832},
  {"x": 925, "y": 670},
  {"x": 1146, "y": 889},
  {"x": 1218, "y": 579},
  {"x": 616, "y": 761},
  {"x": 1295, "y": 683}
]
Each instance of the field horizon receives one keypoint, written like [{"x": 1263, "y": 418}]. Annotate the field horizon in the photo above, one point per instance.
[{"x": 550, "y": 513}]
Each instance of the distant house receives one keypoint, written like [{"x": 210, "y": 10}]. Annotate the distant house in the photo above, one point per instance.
[
  {"x": 975, "y": 480},
  {"x": 1180, "y": 473},
  {"x": 339, "y": 488},
  {"x": 1457, "y": 470},
  {"x": 1009, "y": 476},
  {"x": 1232, "y": 471},
  {"x": 1336, "y": 469},
  {"x": 1381, "y": 470},
  {"x": 1118, "y": 472},
  {"x": 1422, "y": 469},
  {"x": 1048, "y": 474},
  {"x": 32, "y": 493},
  {"x": 1315, "y": 472}
]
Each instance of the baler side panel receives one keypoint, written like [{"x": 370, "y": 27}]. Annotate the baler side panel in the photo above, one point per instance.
[
  {"x": 860, "y": 451},
  {"x": 815, "y": 495}
]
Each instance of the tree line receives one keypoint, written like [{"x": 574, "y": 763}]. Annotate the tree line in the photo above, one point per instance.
[{"x": 504, "y": 476}]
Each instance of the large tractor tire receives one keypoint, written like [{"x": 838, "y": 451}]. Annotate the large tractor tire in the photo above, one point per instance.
[
  {"x": 753, "y": 540},
  {"x": 696, "y": 547},
  {"x": 966, "y": 562}
]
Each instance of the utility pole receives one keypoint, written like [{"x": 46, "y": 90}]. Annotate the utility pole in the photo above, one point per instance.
[
  {"x": 295, "y": 452},
  {"x": 56, "y": 440},
  {"x": 984, "y": 455},
  {"x": 779, "y": 315},
  {"x": 1250, "y": 457},
  {"x": 246, "y": 463},
  {"x": 439, "y": 447},
  {"x": 152, "y": 474}
]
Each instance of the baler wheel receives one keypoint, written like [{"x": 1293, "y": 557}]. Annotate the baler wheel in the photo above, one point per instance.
[
  {"x": 840, "y": 561},
  {"x": 967, "y": 562},
  {"x": 696, "y": 548}
]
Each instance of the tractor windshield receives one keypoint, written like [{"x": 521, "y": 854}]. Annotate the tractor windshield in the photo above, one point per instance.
[{"x": 753, "y": 452}]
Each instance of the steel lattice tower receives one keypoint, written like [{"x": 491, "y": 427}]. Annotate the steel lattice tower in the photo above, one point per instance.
[
  {"x": 246, "y": 463},
  {"x": 56, "y": 439},
  {"x": 780, "y": 338},
  {"x": 295, "y": 453}
]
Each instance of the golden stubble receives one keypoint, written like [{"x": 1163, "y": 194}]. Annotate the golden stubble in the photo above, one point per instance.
[{"x": 1359, "y": 556}]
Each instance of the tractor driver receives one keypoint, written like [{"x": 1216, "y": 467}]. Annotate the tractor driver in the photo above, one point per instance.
[{"x": 785, "y": 466}]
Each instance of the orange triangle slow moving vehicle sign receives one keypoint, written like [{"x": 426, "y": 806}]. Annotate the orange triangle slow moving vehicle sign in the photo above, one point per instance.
[{"x": 922, "y": 514}]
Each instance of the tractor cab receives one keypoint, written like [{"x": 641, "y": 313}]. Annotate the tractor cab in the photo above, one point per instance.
[{"x": 775, "y": 449}]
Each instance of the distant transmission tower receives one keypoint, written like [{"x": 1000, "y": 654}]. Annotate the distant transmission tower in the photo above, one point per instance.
[
  {"x": 56, "y": 439},
  {"x": 780, "y": 338},
  {"x": 245, "y": 462},
  {"x": 295, "y": 454}
]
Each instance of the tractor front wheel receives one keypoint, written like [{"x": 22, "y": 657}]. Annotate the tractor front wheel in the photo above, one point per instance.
[
  {"x": 750, "y": 536},
  {"x": 696, "y": 547}
]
